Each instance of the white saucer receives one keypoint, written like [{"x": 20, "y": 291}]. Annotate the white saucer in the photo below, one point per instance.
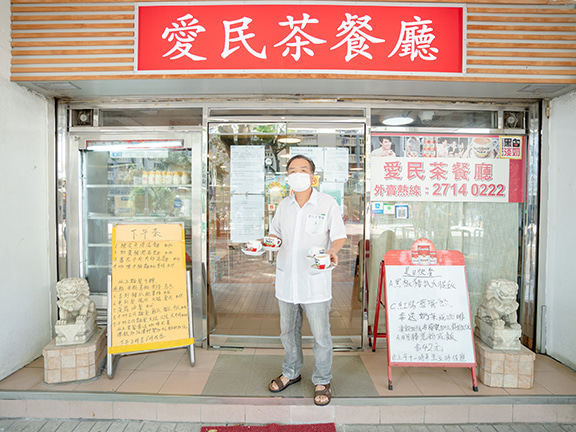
[
  {"x": 253, "y": 253},
  {"x": 271, "y": 248},
  {"x": 329, "y": 268}
]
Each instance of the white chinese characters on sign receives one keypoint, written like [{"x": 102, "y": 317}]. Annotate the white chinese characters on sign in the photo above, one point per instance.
[
  {"x": 238, "y": 26},
  {"x": 355, "y": 37},
  {"x": 184, "y": 32},
  {"x": 296, "y": 34},
  {"x": 440, "y": 179},
  {"x": 416, "y": 40}
]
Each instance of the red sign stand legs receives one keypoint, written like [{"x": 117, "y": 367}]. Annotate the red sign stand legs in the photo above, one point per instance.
[{"x": 379, "y": 303}]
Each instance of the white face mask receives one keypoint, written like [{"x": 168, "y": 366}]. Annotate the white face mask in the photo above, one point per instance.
[{"x": 299, "y": 182}]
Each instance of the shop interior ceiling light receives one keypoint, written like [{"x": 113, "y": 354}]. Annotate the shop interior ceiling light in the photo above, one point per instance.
[
  {"x": 397, "y": 121},
  {"x": 289, "y": 140}
]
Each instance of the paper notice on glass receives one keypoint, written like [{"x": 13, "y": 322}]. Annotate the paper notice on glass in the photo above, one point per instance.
[
  {"x": 246, "y": 169},
  {"x": 314, "y": 153},
  {"x": 246, "y": 218},
  {"x": 336, "y": 163},
  {"x": 336, "y": 191}
]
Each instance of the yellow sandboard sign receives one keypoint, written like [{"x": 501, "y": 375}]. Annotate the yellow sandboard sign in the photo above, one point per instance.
[{"x": 149, "y": 297}]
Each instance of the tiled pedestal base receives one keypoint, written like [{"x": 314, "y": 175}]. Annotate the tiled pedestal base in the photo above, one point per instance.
[
  {"x": 74, "y": 362},
  {"x": 508, "y": 369}
]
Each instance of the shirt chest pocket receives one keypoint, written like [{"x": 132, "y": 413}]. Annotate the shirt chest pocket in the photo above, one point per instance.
[{"x": 316, "y": 224}]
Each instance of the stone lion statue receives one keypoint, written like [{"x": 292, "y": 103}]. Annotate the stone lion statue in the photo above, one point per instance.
[
  {"x": 77, "y": 312},
  {"x": 496, "y": 318},
  {"x": 499, "y": 305}
]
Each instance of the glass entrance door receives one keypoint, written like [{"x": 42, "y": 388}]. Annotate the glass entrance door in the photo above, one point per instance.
[{"x": 246, "y": 181}]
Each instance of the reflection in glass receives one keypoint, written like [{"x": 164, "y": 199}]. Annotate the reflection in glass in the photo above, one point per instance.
[{"x": 486, "y": 233}]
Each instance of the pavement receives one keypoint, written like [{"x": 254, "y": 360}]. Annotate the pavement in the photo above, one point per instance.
[{"x": 51, "y": 425}]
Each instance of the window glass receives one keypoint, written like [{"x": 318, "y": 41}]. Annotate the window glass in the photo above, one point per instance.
[
  {"x": 417, "y": 117},
  {"x": 151, "y": 117},
  {"x": 462, "y": 192}
]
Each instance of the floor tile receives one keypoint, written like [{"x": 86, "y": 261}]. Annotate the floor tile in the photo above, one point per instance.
[
  {"x": 134, "y": 411},
  {"x": 204, "y": 360},
  {"x": 537, "y": 389},
  {"x": 446, "y": 414},
  {"x": 66, "y": 386},
  {"x": 435, "y": 383},
  {"x": 163, "y": 360},
  {"x": 48, "y": 409},
  {"x": 24, "y": 379},
  {"x": 131, "y": 361},
  {"x": 556, "y": 383},
  {"x": 144, "y": 382},
  {"x": 535, "y": 414},
  {"x": 402, "y": 384},
  {"x": 91, "y": 409},
  {"x": 185, "y": 383},
  {"x": 494, "y": 413},
  {"x": 103, "y": 383},
  {"x": 463, "y": 377},
  {"x": 39, "y": 362}
]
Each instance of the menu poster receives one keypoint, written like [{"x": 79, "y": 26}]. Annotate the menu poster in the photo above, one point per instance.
[
  {"x": 336, "y": 164},
  {"x": 246, "y": 218},
  {"x": 427, "y": 311},
  {"x": 149, "y": 294},
  {"x": 247, "y": 169},
  {"x": 314, "y": 153}
]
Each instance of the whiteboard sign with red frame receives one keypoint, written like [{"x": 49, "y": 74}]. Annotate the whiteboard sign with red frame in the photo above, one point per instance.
[{"x": 428, "y": 318}]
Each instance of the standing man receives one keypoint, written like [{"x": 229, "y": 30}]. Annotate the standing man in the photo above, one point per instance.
[{"x": 305, "y": 220}]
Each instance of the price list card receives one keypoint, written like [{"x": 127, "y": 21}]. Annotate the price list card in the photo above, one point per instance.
[{"x": 149, "y": 296}]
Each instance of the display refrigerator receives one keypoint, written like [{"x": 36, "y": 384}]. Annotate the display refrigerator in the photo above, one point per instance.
[{"x": 130, "y": 178}]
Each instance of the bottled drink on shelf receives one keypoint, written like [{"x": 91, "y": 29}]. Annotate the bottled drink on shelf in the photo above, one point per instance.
[{"x": 177, "y": 206}]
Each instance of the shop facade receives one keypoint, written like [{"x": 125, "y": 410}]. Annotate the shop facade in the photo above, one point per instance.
[
  {"x": 137, "y": 141},
  {"x": 224, "y": 187}
]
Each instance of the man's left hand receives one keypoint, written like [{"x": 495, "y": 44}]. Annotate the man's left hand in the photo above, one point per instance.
[{"x": 333, "y": 257}]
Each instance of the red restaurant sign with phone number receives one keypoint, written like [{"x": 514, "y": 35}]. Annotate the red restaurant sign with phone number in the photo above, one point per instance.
[
  {"x": 300, "y": 38},
  {"x": 463, "y": 168}
]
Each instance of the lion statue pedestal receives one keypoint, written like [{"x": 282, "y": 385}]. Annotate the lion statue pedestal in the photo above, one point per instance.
[
  {"x": 502, "y": 360},
  {"x": 78, "y": 351}
]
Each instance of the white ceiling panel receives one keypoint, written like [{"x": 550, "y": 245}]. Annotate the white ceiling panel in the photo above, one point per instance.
[{"x": 333, "y": 88}]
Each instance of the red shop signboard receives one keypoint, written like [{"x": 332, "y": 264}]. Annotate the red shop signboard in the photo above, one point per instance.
[{"x": 300, "y": 38}]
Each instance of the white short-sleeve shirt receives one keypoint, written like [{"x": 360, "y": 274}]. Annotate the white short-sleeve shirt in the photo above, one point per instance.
[{"x": 317, "y": 224}]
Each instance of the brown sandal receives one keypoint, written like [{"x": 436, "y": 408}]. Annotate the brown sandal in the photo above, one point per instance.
[
  {"x": 281, "y": 385},
  {"x": 326, "y": 391}
]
